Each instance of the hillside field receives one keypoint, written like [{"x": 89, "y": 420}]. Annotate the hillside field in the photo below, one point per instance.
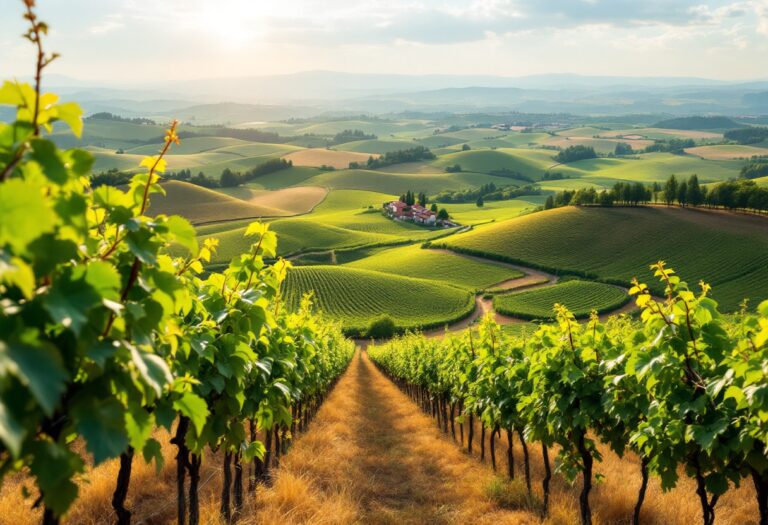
[
  {"x": 357, "y": 296},
  {"x": 413, "y": 261},
  {"x": 730, "y": 252},
  {"x": 580, "y": 297}
]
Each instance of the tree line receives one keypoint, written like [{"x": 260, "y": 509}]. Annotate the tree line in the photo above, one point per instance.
[
  {"x": 414, "y": 154},
  {"x": 684, "y": 389},
  {"x": 228, "y": 178},
  {"x": 738, "y": 194},
  {"x": 487, "y": 192}
]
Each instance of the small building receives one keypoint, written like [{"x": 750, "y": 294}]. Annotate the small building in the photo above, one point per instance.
[{"x": 401, "y": 211}]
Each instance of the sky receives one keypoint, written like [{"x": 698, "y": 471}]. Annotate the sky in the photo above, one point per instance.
[{"x": 144, "y": 41}]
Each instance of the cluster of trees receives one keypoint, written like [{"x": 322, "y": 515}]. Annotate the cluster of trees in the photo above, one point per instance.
[
  {"x": 414, "y": 154},
  {"x": 104, "y": 115},
  {"x": 411, "y": 198},
  {"x": 111, "y": 329},
  {"x": 685, "y": 390},
  {"x": 574, "y": 153},
  {"x": 622, "y": 148},
  {"x": 754, "y": 170},
  {"x": 231, "y": 178},
  {"x": 696, "y": 123},
  {"x": 349, "y": 135},
  {"x": 747, "y": 135},
  {"x": 740, "y": 194},
  {"x": 489, "y": 192},
  {"x": 252, "y": 135},
  {"x": 456, "y": 168},
  {"x": 553, "y": 176},
  {"x": 676, "y": 146},
  {"x": 511, "y": 174}
]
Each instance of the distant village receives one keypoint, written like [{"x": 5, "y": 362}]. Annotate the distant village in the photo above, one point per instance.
[{"x": 412, "y": 208}]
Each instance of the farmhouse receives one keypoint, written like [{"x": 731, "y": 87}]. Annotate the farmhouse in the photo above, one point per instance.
[{"x": 401, "y": 211}]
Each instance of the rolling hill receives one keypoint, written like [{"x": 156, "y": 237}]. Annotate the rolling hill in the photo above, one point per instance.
[
  {"x": 728, "y": 251},
  {"x": 356, "y": 296}
]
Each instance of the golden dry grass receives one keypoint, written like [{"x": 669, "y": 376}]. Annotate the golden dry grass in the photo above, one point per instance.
[
  {"x": 726, "y": 152},
  {"x": 201, "y": 205},
  {"x": 371, "y": 456},
  {"x": 318, "y": 157},
  {"x": 292, "y": 201}
]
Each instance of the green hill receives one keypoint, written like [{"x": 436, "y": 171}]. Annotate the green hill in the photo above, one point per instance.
[
  {"x": 412, "y": 261},
  {"x": 728, "y": 251},
  {"x": 356, "y": 296},
  {"x": 580, "y": 297}
]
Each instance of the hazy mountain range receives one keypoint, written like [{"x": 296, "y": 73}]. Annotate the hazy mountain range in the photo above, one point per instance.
[{"x": 308, "y": 94}]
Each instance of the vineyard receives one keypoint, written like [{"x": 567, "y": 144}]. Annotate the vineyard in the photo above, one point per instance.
[
  {"x": 413, "y": 261},
  {"x": 356, "y": 296},
  {"x": 728, "y": 251},
  {"x": 685, "y": 391},
  {"x": 580, "y": 297},
  {"x": 110, "y": 331}
]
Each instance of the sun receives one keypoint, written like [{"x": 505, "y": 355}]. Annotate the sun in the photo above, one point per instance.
[{"x": 233, "y": 24}]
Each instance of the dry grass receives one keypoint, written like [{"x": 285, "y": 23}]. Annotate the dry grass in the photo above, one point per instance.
[
  {"x": 292, "y": 201},
  {"x": 726, "y": 152},
  {"x": 201, "y": 205},
  {"x": 319, "y": 157},
  {"x": 371, "y": 456}
]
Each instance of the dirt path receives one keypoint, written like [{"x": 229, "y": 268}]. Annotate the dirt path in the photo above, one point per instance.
[
  {"x": 373, "y": 457},
  {"x": 532, "y": 280}
]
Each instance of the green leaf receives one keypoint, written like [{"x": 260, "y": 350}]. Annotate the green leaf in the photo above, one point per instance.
[
  {"x": 72, "y": 114},
  {"x": 153, "y": 450},
  {"x": 79, "y": 161},
  {"x": 25, "y": 212},
  {"x": 102, "y": 423},
  {"x": 12, "y": 431},
  {"x": 153, "y": 369},
  {"x": 139, "y": 425},
  {"x": 183, "y": 233},
  {"x": 53, "y": 466},
  {"x": 16, "y": 272},
  {"x": 46, "y": 154},
  {"x": 194, "y": 407},
  {"x": 71, "y": 298},
  {"x": 37, "y": 367}
]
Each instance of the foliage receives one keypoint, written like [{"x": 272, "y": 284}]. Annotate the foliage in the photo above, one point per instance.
[
  {"x": 753, "y": 135},
  {"x": 575, "y": 153},
  {"x": 104, "y": 115},
  {"x": 382, "y": 327},
  {"x": 414, "y": 154},
  {"x": 489, "y": 192},
  {"x": 754, "y": 170},
  {"x": 696, "y": 123},
  {"x": 684, "y": 389},
  {"x": 107, "y": 329},
  {"x": 349, "y": 135}
]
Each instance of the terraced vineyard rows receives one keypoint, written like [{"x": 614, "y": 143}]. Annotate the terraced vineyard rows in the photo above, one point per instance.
[
  {"x": 580, "y": 297},
  {"x": 357, "y": 296}
]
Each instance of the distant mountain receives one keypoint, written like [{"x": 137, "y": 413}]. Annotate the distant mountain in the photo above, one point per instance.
[
  {"x": 230, "y": 113},
  {"x": 275, "y": 97}
]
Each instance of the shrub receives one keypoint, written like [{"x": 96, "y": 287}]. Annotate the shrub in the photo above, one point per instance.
[{"x": 381, "y": 328}]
